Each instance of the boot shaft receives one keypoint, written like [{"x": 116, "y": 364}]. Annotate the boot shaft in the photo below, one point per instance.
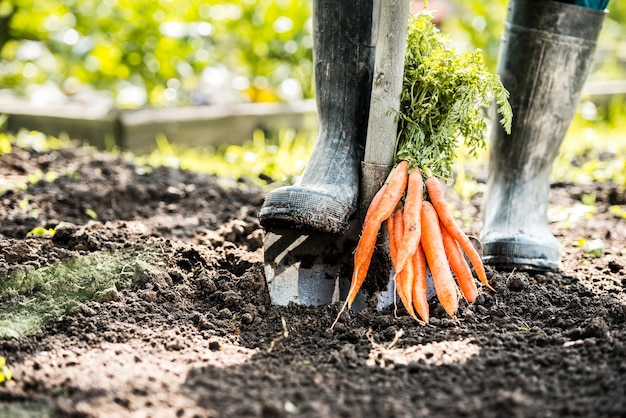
[
  {"x": 344, "y": 64},
  {"x": 545, "y": 56},
  {"x": 326, "y": 196}
]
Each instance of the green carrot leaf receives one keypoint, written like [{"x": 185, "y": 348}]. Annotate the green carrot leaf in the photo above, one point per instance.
[{"x": 444, "y": 98}]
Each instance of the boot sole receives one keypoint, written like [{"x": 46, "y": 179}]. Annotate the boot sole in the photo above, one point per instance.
[{"x": 511, "y": 255}]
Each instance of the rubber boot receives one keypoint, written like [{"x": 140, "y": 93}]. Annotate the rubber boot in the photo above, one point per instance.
[
  {"x": 326, "y": 196},
  {"x": 546, "y": 52}
]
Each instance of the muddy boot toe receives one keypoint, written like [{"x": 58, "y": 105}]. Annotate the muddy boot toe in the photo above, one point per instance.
[{"x": 303, "y": 208}]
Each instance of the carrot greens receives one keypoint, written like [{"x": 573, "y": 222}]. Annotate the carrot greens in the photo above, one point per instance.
[{"x": 444, "y": 96}]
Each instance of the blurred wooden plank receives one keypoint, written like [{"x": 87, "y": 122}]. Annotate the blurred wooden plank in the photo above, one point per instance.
[
  {"x": 213, "y": 125},
  {"x": 602, "y": 92},
  {"x": 136, "y": 130},
  {"x": 96, "y": 125}
]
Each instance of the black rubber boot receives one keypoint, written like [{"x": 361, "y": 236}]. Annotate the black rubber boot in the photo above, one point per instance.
[
  {"x": 546, "y": 52},
  {"x": 326, "y": 197}
]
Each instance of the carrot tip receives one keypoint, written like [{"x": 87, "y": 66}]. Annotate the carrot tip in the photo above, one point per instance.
[{"x": 486, "y": 283}]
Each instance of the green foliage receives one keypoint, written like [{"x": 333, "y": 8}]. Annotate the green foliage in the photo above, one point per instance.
[
  {"x": 478, "y": 24},
  {"x": 444, "y": 95},
  {"x": 171, "y": 49},
  {"x": 91, "y": 213},
  {"x": 5, "y": 372},
  {"x": 594, "y": 248},
  {"x": 5, "y": 140},
  {"x": 37, "y": 141},
  {"x": 167, "y": 52},
  {"x": 5, "y": 144},
  {"x": 276, "y": 159},
  {"x": 40, "y": 231},
  {"x": 617, "y": 211},
  {"x": 594, "y": 149}
]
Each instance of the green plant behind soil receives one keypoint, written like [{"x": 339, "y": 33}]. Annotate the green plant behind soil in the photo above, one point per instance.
[
  {"x": 594, "y": 149},
  {"x": 264, "y": 159},
  {"x": 31, "y": 298},
  {"x": 5, "y": 372}
]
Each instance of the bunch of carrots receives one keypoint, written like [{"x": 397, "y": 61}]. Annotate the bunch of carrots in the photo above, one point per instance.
[
  {"x": 443, "y": 98},
  {"x": 421, "y": 233}
]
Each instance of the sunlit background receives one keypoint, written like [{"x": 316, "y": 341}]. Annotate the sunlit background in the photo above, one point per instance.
[
  {"x": 137, "y": 54},
  {"x": 162, "y": 53}
]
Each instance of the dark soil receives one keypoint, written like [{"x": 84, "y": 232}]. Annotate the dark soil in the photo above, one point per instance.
[{"x": 196, "y": 336}]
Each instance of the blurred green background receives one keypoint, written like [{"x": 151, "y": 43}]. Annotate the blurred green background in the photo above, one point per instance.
[
  {"x": 131, "y": 54},
  {"x": 158, "y": 52},
  {"x": 180, "y": 52}
]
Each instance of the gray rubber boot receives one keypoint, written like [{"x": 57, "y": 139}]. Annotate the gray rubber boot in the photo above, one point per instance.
[
  {"x": 326, "y": 197},
  {"x": 546, "y": 52}
]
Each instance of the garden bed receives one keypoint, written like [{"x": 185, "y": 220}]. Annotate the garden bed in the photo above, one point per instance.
[{"x": 187, "y": 329}]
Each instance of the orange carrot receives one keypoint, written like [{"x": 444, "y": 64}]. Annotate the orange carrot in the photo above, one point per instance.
[
  {"x": 365, "y": 251},
  {"x": 375, "y": 203},
  {"x": 459, "y": 266},
  {"x": 420, "y": 298},
  {"x": 404, "y": 278},
  {"x": 398, "y": 235},
  {"x": 395, "y": 190},
  {"x": 365, "y": 247},
  {"x": 391, "y": 232},
  {"x": 437, "y": 261},
  {"x": 412, "y": 226},
  {"x": 436, "y": 194},
  {"x": 405, "y": 281}
]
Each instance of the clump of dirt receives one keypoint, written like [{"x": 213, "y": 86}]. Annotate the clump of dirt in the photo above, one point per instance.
[{"x": 194, "y": 333}]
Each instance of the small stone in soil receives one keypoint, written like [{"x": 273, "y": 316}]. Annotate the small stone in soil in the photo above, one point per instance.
[
  {"x": 225, "y": 313},
  {"x": 246, "y": 318}
]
